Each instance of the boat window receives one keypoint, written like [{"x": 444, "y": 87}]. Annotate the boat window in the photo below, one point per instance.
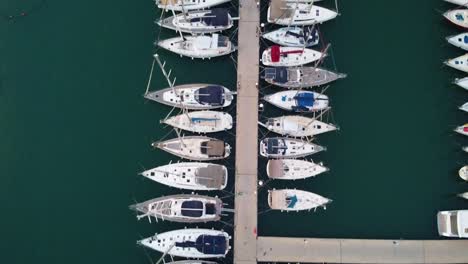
[{"x": 152, "y": 173}]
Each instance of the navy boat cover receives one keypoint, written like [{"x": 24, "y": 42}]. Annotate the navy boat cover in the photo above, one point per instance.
[
  {"x": 217, "y": 17},
  {"x": 304, "y": 101},
  {"x": 210, "y": 95},
  {"x": 273, "y": 145},
  {"x": 192, "y": 208},
  {"x": 207, "y": 244},
  {"x": 278, "y": 74}
]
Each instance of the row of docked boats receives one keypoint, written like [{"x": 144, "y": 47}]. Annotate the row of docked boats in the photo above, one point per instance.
[{"x": 454, "y": 223}]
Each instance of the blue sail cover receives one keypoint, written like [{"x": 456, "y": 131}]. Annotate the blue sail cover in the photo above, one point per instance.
[
  {"x": 207, "y": 244},
  {"x": 217, "y": 17},
  {"x": 291, "y": 200},
  {"x": 192, "y": 208},
  {"x": 305, "y": 99},
  {"x": 210, "y": 95}
]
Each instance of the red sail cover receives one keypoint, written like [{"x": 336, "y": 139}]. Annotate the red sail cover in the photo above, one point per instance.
[{"x": 275, "y": 53}]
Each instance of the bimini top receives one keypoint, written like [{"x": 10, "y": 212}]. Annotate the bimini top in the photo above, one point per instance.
[
  {"x": 279, "y": 9},
  {"x": 278, "y": 74},
  {"x": 211, "y": 176},
  {"x": 304, "y": 100},
  {"x": 210, "y": 95},
  {"x": 206, "y": 244},
  {"x": 213, "y": 148},
  {"x": 217, "y": 17},
  {"x": 275, "y": 145}
]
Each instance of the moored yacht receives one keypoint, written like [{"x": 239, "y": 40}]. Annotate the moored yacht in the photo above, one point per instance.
[
  {"x": 190, "y": 176},
  {"x": 463, "y": 173},
  {"x": 458, "y": 2},
  {"x": 289, "y": 56},
  {"x": 463, "y": 83},
  {"x": 186, "y": 5},
  {"x": 278, "y": 148},
  {"x": 292, "y": 169},
  {"x": 184, "y": 208},
  {"x": 295, "y": 200},
  {"x": 199, "y": 21},
  {"x": 459, "y": 63},
  {"x": 464, "y": 107},
  {"x": 453, "y": 223},
  {"x": 462, "y": 130},
  {"x": 460, "y": 40},
  {"x": 199, "y": 46},
  {"x": 297, "y": 126},
  {"x": 298, "y": 101},
  {"x": 458, "y": 17},
  {"x": 463, "y": 195},
  {"x": 293, "y": 36},
  {"x": 293, "y": 13},
  {"x": 299, "y": 77},
  {"x": 190, "y": 243},
  {"x": 198, "y": 148},
  {"x": 201, "y": 121}
]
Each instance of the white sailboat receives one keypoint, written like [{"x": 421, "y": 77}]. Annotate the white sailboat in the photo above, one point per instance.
[
  {"x": 298, "y": 101},
  {"x": 458, "y": 2},
  {"x": 458, "y": 17},
  {"x": 459, "y": 63},
  {"x": 292, "y": 169},
  {"x": 464, "y": 107},
  {"x": 462, "y": 129},
  {"x": 465, "y": 149},
  {"x": 453, "y": 223},
  {"x": 299, "y": 77},
  {"x": 190, "y": 176},
  {"x": 463, "y": 173},
  {"x": 295, "y": 200},
  {"x": 198, "y": 148},
  {"x": 289, "y": 56},
  {"x": 463, "y": 83},
  {"x": 190, "y": 243},
  {"x": 199, "y": 21},
  {"x": 187, "y": 5},
  {"x": 288, "y": 13},
  {"x": 183, "y": 208},
  {"x": 201, "y": 121},
  {"x": 279, "y": 148},
  {"x": 293, "y": 36},
  {"x": 460, "y": 40},
  {"x": 463, "y": 195},
  {"x": 297, "y": 126},
  {"x": 199, "y": 46}
]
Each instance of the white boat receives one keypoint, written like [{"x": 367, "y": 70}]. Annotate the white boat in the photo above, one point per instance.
[
  {"x": 464, "y": 107},
  {"x": 295, "y": 200},
  {"x": 287, "y": 148},
  {"x": 460, "y": 40},
  {"x": 462, "y": 130},
  {"x": 199, "y": 46},
  {"x": 292, "y": 169},
  {"x": 201, "y": 121},
  {"x": 297, "y": 126},
  {"x": 458, "y": 17},
  {"x": 293, "y": 36},
  {"x": 459, "y": 63},
  {"x": 198, "y": 148},
  {"x": 190, "y": 243},
  {"x": 187, "y": 5},
  {"x": 465, "y": 149},
  {"x": 198, "y": 96},
  {"x": 453, "y": 223},
  {"x": 183, "y": 208},
  {"x": 463, "y": 173},
  {"x": 190, "y": 176},
  {"x": 298, "y": 101},
  {"x": 289, "y": 56},
  {"x": 288, "y": 13},
  {"x": 458, "y": 2},
  {"x": 199, "y": 21},
  {"x": 463, "y": 195},
  {"x": 463, "y": 83},
  {"x": 299, "y": 77}
]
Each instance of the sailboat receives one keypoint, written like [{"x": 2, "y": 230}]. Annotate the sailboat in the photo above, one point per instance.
[
  {"x": 463, "y": 195},
  {"x": 464, "y": 107},
  {"x": 463, "y": 83},
  {"x": 183, "y": 208},
  {"x": 190, "y": 243},
  {"x": 199, "y": 21},
  {"x": 463, "y": 173},
  {"x": 298, "y": 101},
  {"x": 198, "y": 148},
  {"x": 292, "y": 169},
  {"x": 289, "y": 56},
  {"x": 458, "y": 2},
  {"x": 288, "y": 13},
  {"x": 299, "y": 77},
  {"x": 297, "y": 126},
  {"x": 201, "y": 121},
  {"x": 460, "y": 40},
  {"x": 199, "y": 46},
  {"x": 295, "y": 200},
  {"x": 283, "y": 148},
  {"x": 190, "y": 176},
  {"x": 458, "y": 17},
  {"x": 294, "y": 36},
  {"x": 462, "y": 129},
  {"x": 187, "y": 5},
  {"x": 459, "y": 63}
]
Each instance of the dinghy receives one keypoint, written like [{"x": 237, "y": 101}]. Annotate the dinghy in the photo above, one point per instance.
[
  {"x": 190, "y": 243},
  {"x": 295, "y": 200},
  {"x": 458, "y": 2},
  {"x": 460, "y": 40},
  {"x": 199, "y": 21},
  {"x": 187, "y": 5},
  {"x": 198, "y": 148},
  {"x": 453, "y": 223},
  {"x": 297, "y": 126},
  {"x": 293, "y": 36},
  {"x": 199, "y": 96},
  {"x": 299, "y": 77},
  {"x": 458, "y": 17},
  {"x": 289, "y": 56},
  {"x": 298, "y": 101},
  {"x": 292, "y": 169},
  {"x": 278, "y": 148},
  {"x": 463, "y": 83},
  {"x": 200, "y": 46},
  {"x": 464, "y": 107},
  {"x": 292, "y": 13},
  {"x": 201, "y": 121},
  {"x": 190, "y": 176},
  {"x": 459, "y": 63},
  {"x": 183, "y": 208},
  {"x": 462, "y": 130},
  {"x": 463, "y": 195},
  {"x": 463, "y": 173}
]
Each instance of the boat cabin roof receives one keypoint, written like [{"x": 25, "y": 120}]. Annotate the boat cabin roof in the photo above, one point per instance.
[
  {"x": 207, "y": 244},
  {"x": 276, "y": 168},
  {"x": 279, "y": 9},
  {"x": 275, "y": 145},
  {"x": 213, "y": 148}
]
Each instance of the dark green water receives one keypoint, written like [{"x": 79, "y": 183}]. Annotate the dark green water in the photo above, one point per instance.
[{"x": 75, "y": 129}]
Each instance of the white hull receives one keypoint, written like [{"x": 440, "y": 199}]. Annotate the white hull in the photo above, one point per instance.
[
  {"x": 458, "y": 17},
  {"x": 201, "y": 121},
  {"x": 465, "y": 149},
  {"x": 195, "y": 22},
  {"x": 462, "y": 130},
  {"x": 463, "y": 83},
  {"x": 198, "y": 148},
  {"x": 300, "y": 56},
  {"x": 188, "y": 5},
  {"x": 453, "y": 223},
  {"x": 190, "y": 176},
  {"x": 463, "y": 173},
  {"x": 292, "y": 169},
  {"x": 298, "y": 126},
  {"x": 292, "y": 37},
  {"x": 198, "y": 47},
  {"x": 459, "y": 63},
  {"x": 303, "y": 15},
  {"x": 460, "y": 41},
  {"x": 458, "y": 2},
  {"x": 463, "y": 195},
  {"x": 464, "y": 107},
  {"x": 288, "y": 148},
  {"x": 295, "y": 200},
  {"x": 295, "y": 100}
]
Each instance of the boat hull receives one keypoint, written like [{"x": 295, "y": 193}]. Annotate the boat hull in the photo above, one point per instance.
[
  {"x": 180, "y": 23},
  {"x": 300, "y": 77},
  {"x": 298, "y": 126},
  {"x": 288, "y": 59},
  {"x": 187, "y": 47},
  {"x": 288, "y": 100},
  {"x": 189, "y": 5},
  {"x": 289, "y": 148},
  {"x": 283, "y": 37},
  {"x": 293, "y": 169},
  {"x": 191, "y": 148},
  {"x": 303, "y": 15},
  {"x": 295, "y": 200},
  {"x": 201, "y": 121}
]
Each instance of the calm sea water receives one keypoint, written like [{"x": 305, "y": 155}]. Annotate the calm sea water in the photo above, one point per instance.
[{"x": 75, "y": 130}]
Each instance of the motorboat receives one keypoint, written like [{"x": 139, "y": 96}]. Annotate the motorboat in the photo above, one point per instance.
[
  {"x": 190, "y": 243},
  {"x": 199, "y": 21},
  {"x": 293, "y": 169},
  {"x": 279, "y": 148},
  {"x": 183, "y": 208},
  {"x": 293, "y": 36},
  {"x": 295, "y": 200},
  {"x": 463, "y": 173},
  {"x": 190, "y": 176},
  {"x": 299, "y": 77},
  {"x": 460, "y": 40},
  {"x": 199, "y": 46},
  {"x": 298, "y": 101},
  {"x": 199, "y": 96},
  {"x": 463, "y": 195},
  {"x": 459, "y": 63},
  {"x": 297, "y": 126},
  {"x": 458, "y": 2},
  {"x": 289, "y": 56},
  {"x": 198, "y": 148},
  {"x": 289, "y": 13},
  {"x": 458, "y": 17},
  {"x": 201, "y": 121},
  {"x": 187, "y": 5},
  {"x": 462, "y": 130},
  {"x": 463, "y": 83},
  {"x": 464, "y": 107},
  {"x": 453, "y": 223}
]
